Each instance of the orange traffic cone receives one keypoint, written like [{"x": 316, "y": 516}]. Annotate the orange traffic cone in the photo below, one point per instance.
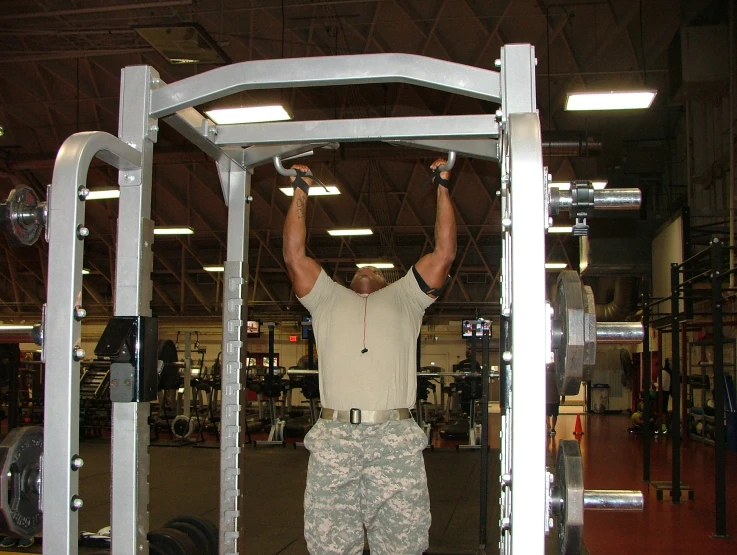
[{"x": 578, "y": 430}]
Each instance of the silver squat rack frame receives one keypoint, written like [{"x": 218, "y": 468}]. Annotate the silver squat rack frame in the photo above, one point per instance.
[{"x": 512, "y": 136}]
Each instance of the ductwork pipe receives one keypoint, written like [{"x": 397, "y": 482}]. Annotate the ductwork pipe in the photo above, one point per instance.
[{"x": 620, "y": 305}]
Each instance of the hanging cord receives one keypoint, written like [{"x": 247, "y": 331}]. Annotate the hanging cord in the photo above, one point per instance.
[
  {"x": 300, "y": 183},
  {"x": 437, "y": 180},
  {"x": 365, "y": 307},
  {"x": 642, "y": 49}
]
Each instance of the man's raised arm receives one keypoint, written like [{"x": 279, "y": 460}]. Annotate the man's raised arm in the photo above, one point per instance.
[
  {"x": 434, "y": 267},
  {"x": 303, "y": 270}
]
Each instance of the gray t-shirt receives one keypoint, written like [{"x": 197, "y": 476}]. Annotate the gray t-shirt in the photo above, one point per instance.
[{"x": 387, "y": 323}]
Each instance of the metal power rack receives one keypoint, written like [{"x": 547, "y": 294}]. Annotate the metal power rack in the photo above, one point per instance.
[{"x": 511, "y": 136}]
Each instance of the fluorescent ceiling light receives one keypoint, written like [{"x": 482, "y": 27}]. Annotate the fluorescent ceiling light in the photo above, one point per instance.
[
  {"x": 610, "y": 100},
  {"x": 560, "y": 229},
  {"x": 556, "y": 265},
  {"x": 101, "y": 194},
  {"x": 566, "y": 185},
  {"x": 251, "y": 114},
  {"x": 378, "y": 265},
  {"x": 173, "y": 230},
  {"x": 214, "y": 268},
  {"x": 315, "y": 190},
  {"x": 85, "y": 272},
  {"x": 357, "y": 231},
  {"x": 14, "y": 327}
]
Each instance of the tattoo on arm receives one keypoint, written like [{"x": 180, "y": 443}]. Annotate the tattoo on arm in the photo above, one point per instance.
[{"x": 301, "y": 208}]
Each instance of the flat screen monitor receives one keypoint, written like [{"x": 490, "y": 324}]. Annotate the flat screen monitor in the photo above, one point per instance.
[
  {"x": 253, "y": 328},
  {"x": 480, "y": 324},
  {"x": 306, "y": 327}
]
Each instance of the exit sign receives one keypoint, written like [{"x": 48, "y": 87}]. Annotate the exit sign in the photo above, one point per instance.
[{"x": 292, "y": 338}]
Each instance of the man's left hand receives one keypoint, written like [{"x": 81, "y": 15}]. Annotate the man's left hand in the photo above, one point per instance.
[{"x": 444, "y": 176}]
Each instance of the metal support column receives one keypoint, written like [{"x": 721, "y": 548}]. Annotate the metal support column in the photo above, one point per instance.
[
  {"x": 484, "y": 489},
  {"x": 720, "y": 483},
  {"x": 61, "y": 351},
  {"x": 232, "y": 436},
  {"x": 646, "y": 365},
  {"x": 523, "y": 521},
  {"x": 187, "y": 394},
  {"x": 675, "y": 385},
  {"x": 133, "y": 291}
]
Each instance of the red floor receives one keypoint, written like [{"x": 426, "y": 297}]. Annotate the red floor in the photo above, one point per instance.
[{"x": 613, "y": 460}]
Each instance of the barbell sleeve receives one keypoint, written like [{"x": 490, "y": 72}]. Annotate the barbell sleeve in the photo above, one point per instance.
[
  {"x": 21, "y": 334},
  {"x": 613, "y": 500},
  {"x": 619, "y": 332},
  {"x": 604, "y": 199}
]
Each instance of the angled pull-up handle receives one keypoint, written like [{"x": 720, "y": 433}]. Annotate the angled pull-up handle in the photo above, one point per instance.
[
  {"x": 292, "y": 172},
  {"x": 449, "y": 164},
  {"x": 281, "y": 170}
]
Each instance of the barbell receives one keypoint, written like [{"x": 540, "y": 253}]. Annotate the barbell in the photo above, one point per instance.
[{"x": 568, "y": 499}]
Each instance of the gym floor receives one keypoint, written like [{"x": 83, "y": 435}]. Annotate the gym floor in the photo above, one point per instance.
[{"x": 184, "y": 480}]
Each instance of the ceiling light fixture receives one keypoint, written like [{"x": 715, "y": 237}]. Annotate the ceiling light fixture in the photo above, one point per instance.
[
  {"x": 556, "y": 265},
  {"x": 315, "y": 191},
  {"x": 184, "y": 43},
  {"x": 85, "y": 272},
  {"x": 173, "y": 230},
  {"x": 610, "y": 100},
  {"x": 250, "y": 114},
  {"x": 101, "y": 194},
  {"x": 560, "y": 229},
  {"x": 357, "y": 231},
  {"x": 377, "y": 265},
  {"x": 566, "y": 185},
  {"x": 15, "y": 327},
  {"x": 214, "y": 268}
]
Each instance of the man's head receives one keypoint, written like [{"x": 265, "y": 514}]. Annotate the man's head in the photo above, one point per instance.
[{"x": 367, "y": 280}]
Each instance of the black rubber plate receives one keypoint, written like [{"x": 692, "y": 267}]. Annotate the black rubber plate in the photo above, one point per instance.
[
  {"x": 198, "y": 537},
  {"x": 206, "y": 526}
]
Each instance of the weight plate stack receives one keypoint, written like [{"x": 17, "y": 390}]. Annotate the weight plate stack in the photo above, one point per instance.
[
  {"x": 172, "y": 542},
  {"x": 197, "y": 535},
  {"x": 205, "y": 526}
]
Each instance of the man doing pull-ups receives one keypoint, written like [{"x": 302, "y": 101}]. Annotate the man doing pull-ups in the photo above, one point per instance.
[{"x": 366, "y": 467}]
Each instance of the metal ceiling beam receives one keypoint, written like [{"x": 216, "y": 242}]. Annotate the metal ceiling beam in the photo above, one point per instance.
[{"x": 477, "y": 126}]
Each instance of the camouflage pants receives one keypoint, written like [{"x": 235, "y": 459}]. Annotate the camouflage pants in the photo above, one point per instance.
[{"x": 366, "y": 475}]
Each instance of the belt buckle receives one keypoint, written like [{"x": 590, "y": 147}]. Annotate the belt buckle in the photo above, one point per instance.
[{"x": 355, "y": 416}]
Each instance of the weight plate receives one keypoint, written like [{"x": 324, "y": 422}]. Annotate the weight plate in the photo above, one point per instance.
[
  {"x": 156, "y": 549},
  {"x": 173, "y": 542},
  {"x": 20, "y": 463},
  {"x": 569, "y": 486},
  {"x": 23, "y": 220},
  {"x": 205, "y": 525},
  {"x": 589, "y": 333},
  {"x": 198, "y": 537},
  {"x": 568, "y": 312}
]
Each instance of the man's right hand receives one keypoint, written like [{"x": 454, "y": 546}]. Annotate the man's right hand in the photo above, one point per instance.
[{"x": 439, "y": 162}]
